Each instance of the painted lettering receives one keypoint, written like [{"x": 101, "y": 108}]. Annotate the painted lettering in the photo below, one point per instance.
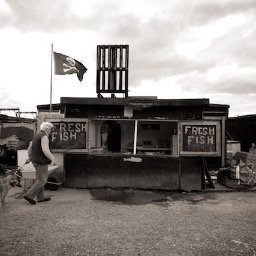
[
  {"x": 187, "y": 128},
  {"x": 205, "y": 131},
  {"x": 194, "y": 130},
  {"x": 202, "y": 140},
  {"x": 70, "y": 127},
  {"x": 83, "y": 127},
  {"x": 65, "y": 136},
  {"x": 77, "y": 127},
  {"x": 72, "y": 136},
  {"x": 190, "y": 139},
  {"x": 62, "y": 127},
  {"x": 210, "y": 140},
  {"x": 200, "y": 130},
  {"x": 54, "y": 136},
  {"x": 211, "y": 131}
]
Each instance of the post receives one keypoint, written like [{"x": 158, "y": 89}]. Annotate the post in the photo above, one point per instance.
[
  {"x": 135, "y": 136},
  {"x": 51, "y": 79}
]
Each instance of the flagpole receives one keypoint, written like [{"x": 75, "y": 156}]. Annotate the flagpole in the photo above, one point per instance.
[{"x": 51, "y": 79}]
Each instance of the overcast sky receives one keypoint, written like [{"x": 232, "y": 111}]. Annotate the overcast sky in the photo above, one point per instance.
[{"x": 178, "y": 49}]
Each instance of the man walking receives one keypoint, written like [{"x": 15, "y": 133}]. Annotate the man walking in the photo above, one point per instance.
[{"x": 40, "y": 156}]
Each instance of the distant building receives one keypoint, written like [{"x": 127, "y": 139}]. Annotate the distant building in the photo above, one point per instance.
[
  {"x": 243, "y": 129},
  {"x": 15, "y": 134}
]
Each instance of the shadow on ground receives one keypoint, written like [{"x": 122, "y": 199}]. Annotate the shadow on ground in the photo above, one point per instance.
[{"x": 142, "y": 197}]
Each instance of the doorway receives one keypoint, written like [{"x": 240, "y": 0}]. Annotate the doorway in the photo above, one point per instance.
[{"x": 111, "y": 136}]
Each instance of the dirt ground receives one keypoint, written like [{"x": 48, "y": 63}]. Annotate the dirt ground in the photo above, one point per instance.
[{"x": 129, "y": 222}]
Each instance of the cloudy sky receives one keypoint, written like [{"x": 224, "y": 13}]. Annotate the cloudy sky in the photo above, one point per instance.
[{"x": 178, "y": 49}]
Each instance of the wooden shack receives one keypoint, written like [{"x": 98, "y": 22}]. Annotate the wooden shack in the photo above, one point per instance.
[
  {"x": 138, "y": 142},
  {"x": 135, "y": 142}
]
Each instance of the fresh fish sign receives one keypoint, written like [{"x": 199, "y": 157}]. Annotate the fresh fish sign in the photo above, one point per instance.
[
  {"x": 200, "y": 138},
  {"x": 68, "y": 134}
]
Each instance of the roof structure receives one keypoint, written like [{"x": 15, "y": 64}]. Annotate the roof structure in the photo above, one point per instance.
[{"x": 12, "y": 119}]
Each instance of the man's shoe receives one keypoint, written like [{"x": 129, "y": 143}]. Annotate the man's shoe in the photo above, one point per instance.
[
  {"x": 44, "y": 200},
  {"x": 31, "y": 201}
]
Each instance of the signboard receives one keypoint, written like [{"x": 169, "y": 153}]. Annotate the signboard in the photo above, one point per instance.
[
  {"x": 69, "y": 134},
  {"x": 200, "y": 138}
]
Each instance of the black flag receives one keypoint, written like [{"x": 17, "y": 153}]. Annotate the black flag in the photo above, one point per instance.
[{"x": 65, "y": 65}]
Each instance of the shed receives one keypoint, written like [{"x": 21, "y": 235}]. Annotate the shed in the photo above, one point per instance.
[
  {"x": 15, "y": 133},
  {"x": 243, "y": 129},
  {"x": 138, "y": 142}
]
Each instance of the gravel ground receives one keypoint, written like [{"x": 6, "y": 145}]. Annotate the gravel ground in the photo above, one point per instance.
[{"x": 129, "y": 222}]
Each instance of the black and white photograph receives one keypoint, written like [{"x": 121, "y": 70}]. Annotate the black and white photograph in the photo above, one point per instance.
[{"x": 128, "y": 127}]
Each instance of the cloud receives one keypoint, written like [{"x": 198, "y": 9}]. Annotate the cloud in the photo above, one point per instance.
[
  {"x": 41, "y": 15},
  {"x": 7, "y": 101},
  {"x": 210, "y": 11}
]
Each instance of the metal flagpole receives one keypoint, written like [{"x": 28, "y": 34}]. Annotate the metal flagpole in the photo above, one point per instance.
[{"x": 51, "y": 79}]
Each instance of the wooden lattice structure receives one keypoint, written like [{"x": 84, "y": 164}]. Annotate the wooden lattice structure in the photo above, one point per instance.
[{"x": 112, "y": 69}]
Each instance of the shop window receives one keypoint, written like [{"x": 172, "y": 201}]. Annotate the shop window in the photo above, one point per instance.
[
  {"x": 156, "y": 138},
  {"x": 111, "y": 136},
  {"x": 133, "y": 137}
]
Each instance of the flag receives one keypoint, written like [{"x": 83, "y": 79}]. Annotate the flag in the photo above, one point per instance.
[{"x": 65, "y": 65}]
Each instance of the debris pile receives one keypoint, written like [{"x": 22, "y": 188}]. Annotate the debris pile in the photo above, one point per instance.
[{"x": 241, "y": 174}]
